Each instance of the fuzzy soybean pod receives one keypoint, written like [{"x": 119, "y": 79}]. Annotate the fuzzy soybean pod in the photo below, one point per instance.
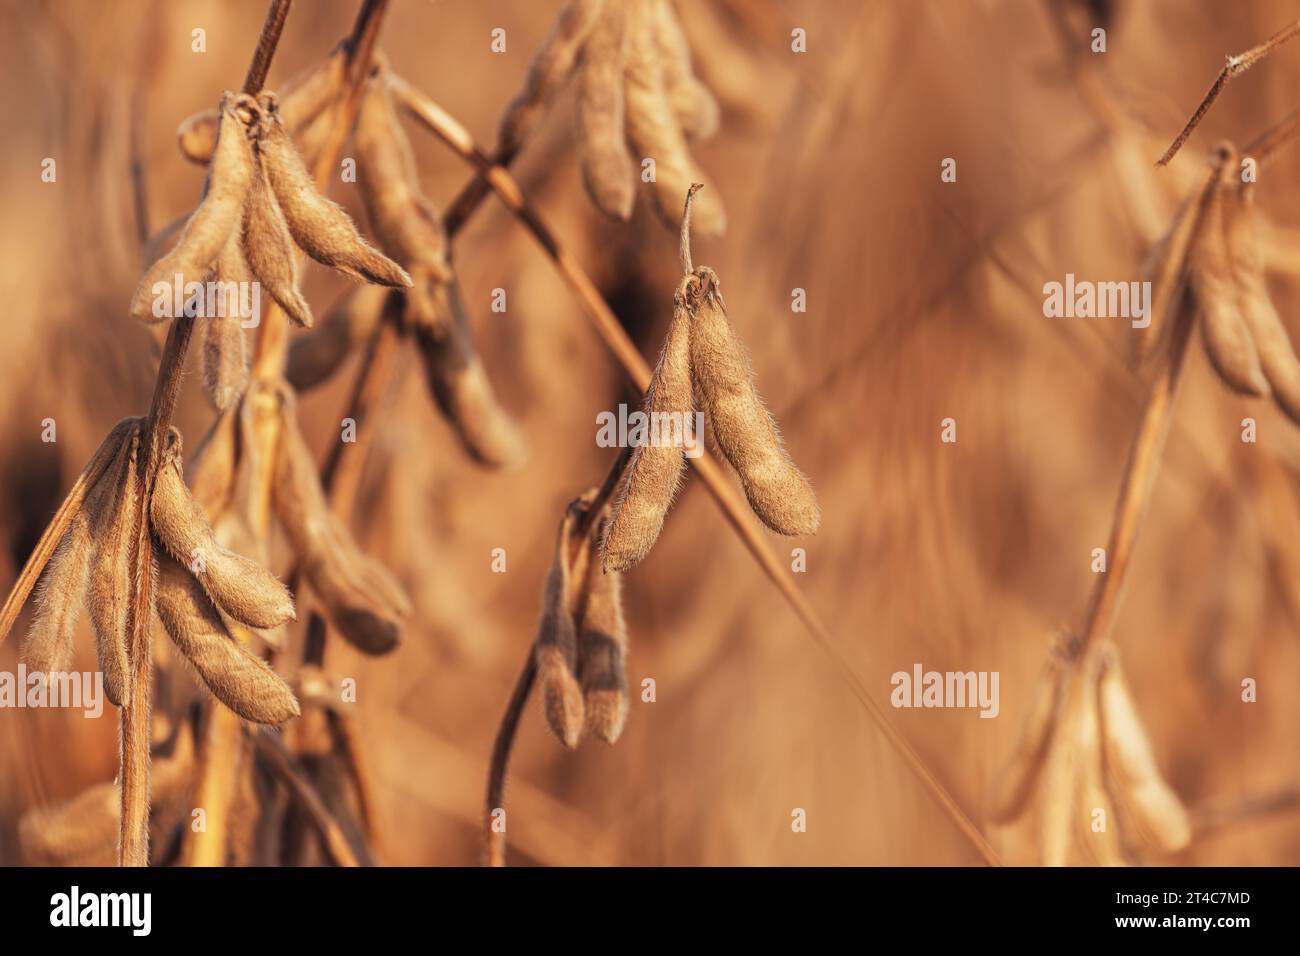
[
  {"x": 358, "y": 594},
  {"x": 1228, "y": 342},
  {"x": 268, "y": 249},
  {"x": 314, "y": 357},
  {"x": 108, "y": 598},
  {"x": 1022, "y": 772},
  {"x": 224, "y": 354},
  {"x": 318, "y": 225},
  {"x": 550, "y": 66},
  {"x": 460, "y": 386},
  {"x": 407, "y": 225},
  {"x": 602, "y": 647},
  {"x": 239, "y": 586},
  {"x": 1276, "y": 354},
  {"x": 217, "y": 216},
  {"x": 653, "y": 130},
  {"x": 694, "y": 106},
  {"x": 601, "y": 116},
  {"x": 1154, "y": 809},
  {"x": 655, "y": 469},
  {"x": 742, "y": 426},
  {"x": 238, "y": 678},
  {"x": 63, "y": 588},
  {"x": 555, "y": 648}
]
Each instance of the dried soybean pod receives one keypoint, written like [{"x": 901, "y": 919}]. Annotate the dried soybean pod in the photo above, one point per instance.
[
  {"x": 602, "y": 647},
  {"x": 555, "y": 649},
  {"x": 359, "y": 596},
  {"x": 239, "y": 586},
  {"x": 225, "y": 359},
  {"x": 547, "y": 71},
  {"x": 1227, "y": 340},
  {"x": 607, "y": 167},
  {"x": 1276, "y": 354},
  {"x": 1153, "y": 808},
  {"x": 461, "y": 388},
  {"x": 318, "y": 225},
  {"x": 268, "y": 249},
  {"x": 63, "y": 587},
  {"x": 197, "y": 135},
  {"x": 694, "y": 106},
  {"x": 239, "y": 679},
  {"x": 653, "y": 131},
  {"x": 113, "y": 528},
  {"x": 350, "y": 321},
  {"x": 1016, "y": 783},
  {"x": 1100, "y": 846},
  {"x": 49, "y": 643},
  {"x": 742, "y": 426},
  {"x": 1059, "y": 792},
  {"x": 217, "y": 216},
  {"x": 655, "y": 470},
  {"x": 408, "y": 226}
]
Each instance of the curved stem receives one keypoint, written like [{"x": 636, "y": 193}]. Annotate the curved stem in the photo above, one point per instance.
[
  {"x": 684, "y": 246},
  {"x": 495, "y": 839}
]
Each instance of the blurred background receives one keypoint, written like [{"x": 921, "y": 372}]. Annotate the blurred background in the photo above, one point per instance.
[{"x": 924, "y": 302}]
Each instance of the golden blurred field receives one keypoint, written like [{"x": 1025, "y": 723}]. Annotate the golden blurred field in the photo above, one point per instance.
[{"x": 924, "y": 303}]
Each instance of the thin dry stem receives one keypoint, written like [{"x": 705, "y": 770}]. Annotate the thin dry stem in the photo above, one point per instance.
[
  {"x": 684, "y": 248},
  {"x": 494, "y": 840},
  {"x": 1267, "y": 143},
  {"x": 1145, "y": 453},
  {"x": 1235, "y": 66}
]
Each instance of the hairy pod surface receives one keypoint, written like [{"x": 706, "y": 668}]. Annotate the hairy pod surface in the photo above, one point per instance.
[
  {"x": 269, "y": 250},
  {"x": 742, "y": 426},
  {"x": 655, "y": 470},
  {"x": 238, "y": 678},
  {"x": 113, "y": 526},
  {"x": 602, "y": 648},
  {"x": 608, "y": 170},
  {"x": 216, "y": 217},
  {"x": 239, "y": 586},
  {"x": 318, "y": 225}
]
